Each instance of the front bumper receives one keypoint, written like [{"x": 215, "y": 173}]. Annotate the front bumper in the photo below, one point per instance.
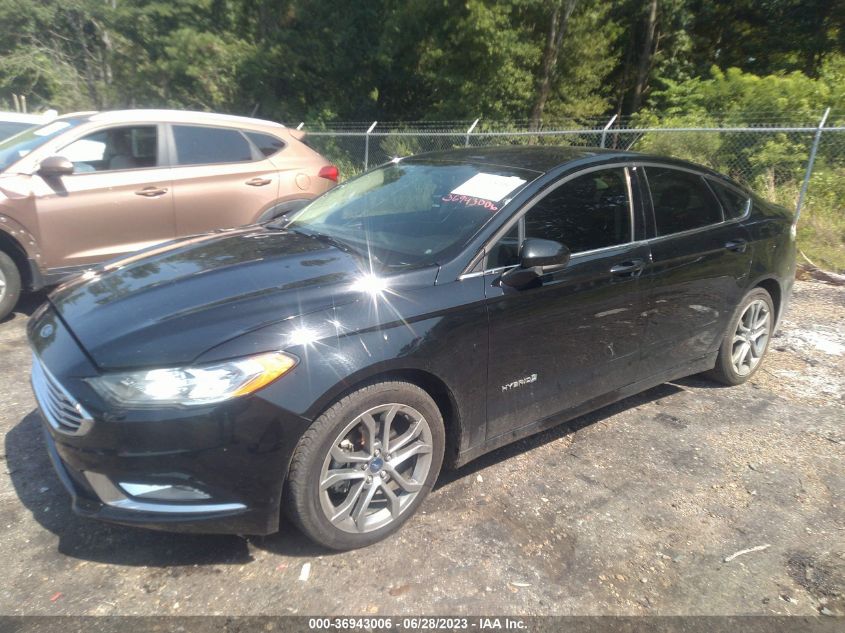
[
  {"x": 230, "y": 458},
  {"x": 87, "y": 501}
]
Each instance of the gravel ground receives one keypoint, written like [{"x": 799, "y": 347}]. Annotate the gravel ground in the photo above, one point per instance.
[{"x": 630, "y": 510}]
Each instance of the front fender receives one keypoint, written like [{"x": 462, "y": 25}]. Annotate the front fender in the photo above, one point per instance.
[
  {"x": 22, "y": 236},
  {"x": 398, "y": 332}
]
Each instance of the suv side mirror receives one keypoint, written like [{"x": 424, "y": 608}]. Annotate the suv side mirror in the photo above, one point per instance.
[
  {"x": 55, "y": 166},
  {"x": 534, "y": 255}
]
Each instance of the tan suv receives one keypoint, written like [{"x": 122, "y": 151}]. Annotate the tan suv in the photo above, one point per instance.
[{"x": 91, "y": 186}]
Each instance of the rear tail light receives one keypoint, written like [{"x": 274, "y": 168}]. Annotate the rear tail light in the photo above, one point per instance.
[{"x": 329, "y": 172}]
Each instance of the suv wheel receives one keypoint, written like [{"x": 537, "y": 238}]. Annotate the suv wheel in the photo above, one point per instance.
[
  {"x": 365, "y": 465},
  {"x": 10, "y": 285},
  {"x": 747, "y": 339}
]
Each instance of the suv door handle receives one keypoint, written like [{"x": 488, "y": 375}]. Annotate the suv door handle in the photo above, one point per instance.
[
  {"x": 151, "y": 191},
  {"x": 631, "y": 268},
  {"x": 258, "y": 182},
  {"x": 737, "y": 246}
]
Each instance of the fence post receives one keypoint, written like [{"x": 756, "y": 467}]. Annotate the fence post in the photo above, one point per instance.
[
  {"x": 301, "y": 123},
  {"x": 469, "y": 131},
  {"x": 367, "y": 146},
  {"x": 605, "y": 129},
  {"x": 810, "y": 162}
]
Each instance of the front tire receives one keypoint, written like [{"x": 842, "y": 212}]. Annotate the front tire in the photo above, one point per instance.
[
  {"x": 747, "y": 339},
  {"x": 364, "y": 467},
  {"x": 10, "y": 285}
]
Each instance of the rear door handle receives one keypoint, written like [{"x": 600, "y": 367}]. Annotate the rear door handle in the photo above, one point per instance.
[
  {"x": 151, "y": 192},
  {"x": 631, "y": 268},
  {"x": 738, "y": 246},
  {"x": 258, "y": 182}
]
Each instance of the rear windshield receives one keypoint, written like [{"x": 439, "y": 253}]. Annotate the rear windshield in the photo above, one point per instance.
[
  {"x": 412, "y": 213},
  {"x": 9, "y": 128},
  {"x": 16, "y": 147}
]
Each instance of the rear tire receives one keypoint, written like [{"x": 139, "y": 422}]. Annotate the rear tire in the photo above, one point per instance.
[
  {"x": 746, "y": 341},
  {"x": 10, "y": 285},
  {"x": 349, "y": 483}
]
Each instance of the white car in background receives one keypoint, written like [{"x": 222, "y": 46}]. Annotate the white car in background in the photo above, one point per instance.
[{"x": 13, "y": 122}]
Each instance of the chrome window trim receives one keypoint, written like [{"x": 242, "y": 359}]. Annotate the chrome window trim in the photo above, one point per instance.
[
  {"x": 573, "y": 257},
  {"x": 710, "y": 180},
  {"x": 626, "y": 165},
  {"x": 699, "y": 229}
]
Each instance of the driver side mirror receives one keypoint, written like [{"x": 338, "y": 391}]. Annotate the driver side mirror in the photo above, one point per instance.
[
  {"x": 55, "y": 166},
  {"x": 534, "y": 256}
]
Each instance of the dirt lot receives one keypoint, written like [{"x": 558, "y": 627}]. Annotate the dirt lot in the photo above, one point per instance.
[{"x": 630, "y": 510}]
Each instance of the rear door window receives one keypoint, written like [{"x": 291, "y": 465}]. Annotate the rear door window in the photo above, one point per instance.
[
  {"x": 682, "y": 201},
  {"x": 117, "y": 148},
  {"x": 200, "y": 145},
  {"x": 734, "y": 202}
]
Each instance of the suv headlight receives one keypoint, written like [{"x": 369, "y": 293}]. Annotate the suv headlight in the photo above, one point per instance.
[{"x": 201, "y": 384}]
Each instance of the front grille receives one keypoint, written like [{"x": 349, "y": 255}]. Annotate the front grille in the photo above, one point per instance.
[{"x": 60, "y": 409}]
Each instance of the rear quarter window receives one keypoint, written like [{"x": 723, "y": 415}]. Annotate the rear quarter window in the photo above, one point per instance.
[
  {"x": 734, "y": 203},
  {"x": 266, "y": 143}
]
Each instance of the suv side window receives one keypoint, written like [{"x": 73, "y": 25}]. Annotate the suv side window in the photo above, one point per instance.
[
  {"x": 266, "y": 144},
  {"x": 734, "y": 203},
  {"x": 682, "y": 200},
  {"x": 199, "y": 145},
  {"x": 127, "y": 147}
]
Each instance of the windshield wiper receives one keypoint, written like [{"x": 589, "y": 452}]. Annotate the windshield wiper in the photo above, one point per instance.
[
  {"x": 327, "y": 239},
  {"x": 279, "y": 222}
]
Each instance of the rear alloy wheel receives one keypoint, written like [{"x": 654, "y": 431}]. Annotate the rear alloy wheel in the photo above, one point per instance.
[
  {"x": 747, "y": 340},
  {"x": 365, "y": 465},
  {"x": 10, "y": 285}
]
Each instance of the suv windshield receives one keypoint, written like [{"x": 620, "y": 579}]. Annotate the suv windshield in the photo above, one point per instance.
[
  {"x": 412, "y": 213},
  {"x": 16, "y": 147}
]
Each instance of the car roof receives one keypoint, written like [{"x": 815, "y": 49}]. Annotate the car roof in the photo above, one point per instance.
[
  {"x": 544, "y": 158},
  {"x": 171, "y": 116},
  {"x": 19, "y": 117}
]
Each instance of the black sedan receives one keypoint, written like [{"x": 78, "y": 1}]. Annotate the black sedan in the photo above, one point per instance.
[{"x": 429, "y": 311}]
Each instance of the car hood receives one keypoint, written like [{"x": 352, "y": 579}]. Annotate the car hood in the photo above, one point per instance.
[{"x": 169, "y": 304}]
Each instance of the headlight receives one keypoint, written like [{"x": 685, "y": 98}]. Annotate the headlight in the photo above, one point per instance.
[{"x": 202, "y": 384}]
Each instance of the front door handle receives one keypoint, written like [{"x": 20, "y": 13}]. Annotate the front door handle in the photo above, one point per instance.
[
  {"x": 738, "y": 246},
  {"x": 631, "y": 268},
  {"x": 151, "y": 192},
  {"x": 258, "y": 182}
]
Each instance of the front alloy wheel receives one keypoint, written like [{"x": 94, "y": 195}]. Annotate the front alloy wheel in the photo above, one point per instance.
[
  {"x": 365, "y": 465},
  {"x": 375, "y": 468}
]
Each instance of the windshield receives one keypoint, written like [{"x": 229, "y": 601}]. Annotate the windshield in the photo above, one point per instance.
[
  {"x": 412, "y": 213},
  {"x": 16, "y": 147}
]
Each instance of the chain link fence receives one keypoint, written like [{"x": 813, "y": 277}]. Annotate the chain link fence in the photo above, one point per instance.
[{"x": 773, "y": 159}]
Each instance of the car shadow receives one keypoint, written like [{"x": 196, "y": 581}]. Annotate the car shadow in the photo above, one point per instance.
[
  {"x": 40, "y": 490},
  {"x": 27, "y": 304}
]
